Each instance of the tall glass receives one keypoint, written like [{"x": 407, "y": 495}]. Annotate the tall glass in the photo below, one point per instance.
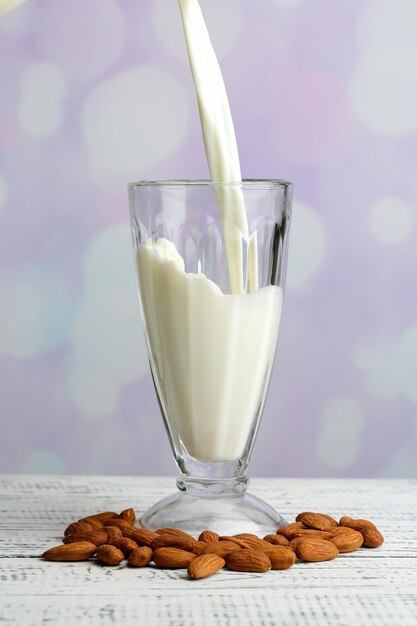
[{"x": 211, "y": 298}]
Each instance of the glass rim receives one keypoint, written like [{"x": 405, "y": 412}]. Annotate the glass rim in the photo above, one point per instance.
[{"x": 257, "y": 183}]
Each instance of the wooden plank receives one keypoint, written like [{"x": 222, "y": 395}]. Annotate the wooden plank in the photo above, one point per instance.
[
  {"x": 93, "y": 579},
  {"x": 208, "y": 609},
  {"x": 365, "y": 588}
]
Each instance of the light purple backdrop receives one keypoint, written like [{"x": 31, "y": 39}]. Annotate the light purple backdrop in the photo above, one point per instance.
[{"x": 94, "y": 93}]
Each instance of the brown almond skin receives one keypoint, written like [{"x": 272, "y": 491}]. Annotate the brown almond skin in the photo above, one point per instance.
[
  {"x": 247, "y": 536},
  {"x": 356, "y": 524},
  {"x": 113, "y": 533},
  {"x": 208, "y": 536},
  {"x": 294, "y": 542},
  {"x": 168, "y": 540},
  {"x": 343, "y": 530},
  {"x": 252, "y": 541},
  {"x": 257, "y": 544},
  {"x": 125, "y": 545},
  {"x": 249, "y": 542},
  {"x": 199, "y": 547},
  {"x": 109, "y": 555},
  {"x": 316, "y": 550},
  {"x": 119, "y": 523},
  {"x": 286, "y": 530},
  {"x": 277, "y": 540},
  {"x": 221, "y": 548},
  {"x": 98, "y": 537},
  {"x": 309, "y": 532},
  {"x": 101, "y": 517},
  {"x": 205, "y": 565},
  {"x": 347, "y": 540},
  {"x": 331, "y": 521},
  {"x": 248, "y": 560},
  {"x": 172, "y": 558},
  {"x": 347, "y": 543},
  {"x": 77, "y": 527},
  {"x": 144, "y": 537},
  {"x": 241, "y": 543},
  {"x": 80, "y": 551},
  {"x": 175, "y": 533},
  {"x": 95, "y": 523},
  {"x": 281, "y": 557},
  {"x": 140, "y": 557},
  {"x": 315, "y": 521},
  {"x": 128, "y": 515},
  {"x": 372, "y": 538}
]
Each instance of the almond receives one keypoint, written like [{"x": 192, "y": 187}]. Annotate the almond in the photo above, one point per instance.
[
  {"x": 340, "y": 530},
  {"x": 241, "y": 543},
  {"x": 125, "y": 545},
  {"x": 174, "y": 532},
  {"x": 316, "y": 521},
  {"x": 120, "y": 523},
  {"x": 140, "y": 557},
  {"x": 356, "y": 524},
  {"x": 144, "y": 537},
  {"x": 316, "y": 550},
  {"x": 248, "y": 541},
  {"x": 347, "y": 539},
  {"x": 113, "y": 533},
  {"x": 372, "y": 538},
  {"x": 128, "y": 515},
  {"x": 98, "y": 537},
  {"x": 80, "y": 551},
  {"x": 199, "y": 547},
  {"x": 257, "y": 544},
  {"x": 172, "y": 558},
  {"x": 252, "y": 541},
  {"x": 221, "y": 548},
  {"x": 95, "y": 523},
  {"x": 329, "y": 518},
  {"x": 170, "y": 540},
  {"x": 102, "y": 517},
  {"x": 77, "y": 527},
  {"x": 294, "y": 542},
  {"x": 281, "y": 557},
  {"x": 248, "y": 560},
  {"x": 205, "y": 565},
  {"x": 287, "y": 529},
  {"x": 208, "y": 536},
  {"x": 278, "y": 540},
  {"x": 247, "y": 536},
  {"x": 109, "y": 555},
  {"x": 308, "y": 532}
]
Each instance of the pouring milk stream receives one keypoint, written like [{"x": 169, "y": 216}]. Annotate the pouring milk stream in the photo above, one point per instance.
[
  {"x": 219, "y": 138},
  {"x": 211, "y": 351}
]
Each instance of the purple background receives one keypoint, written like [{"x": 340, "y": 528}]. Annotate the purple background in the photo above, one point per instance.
[{"x": 94, "y": 93}]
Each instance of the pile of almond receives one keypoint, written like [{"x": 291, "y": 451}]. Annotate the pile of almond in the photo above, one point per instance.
[{"x": 313, "y": 537}]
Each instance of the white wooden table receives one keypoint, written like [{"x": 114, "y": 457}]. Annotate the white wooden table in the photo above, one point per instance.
[{"x": 368, "y": 587}]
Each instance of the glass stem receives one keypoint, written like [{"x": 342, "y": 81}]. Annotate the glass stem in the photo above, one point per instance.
[{"x": 213, "y": 488}]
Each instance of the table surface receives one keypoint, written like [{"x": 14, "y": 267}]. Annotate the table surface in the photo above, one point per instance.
[{"x": 368, "y": 587}]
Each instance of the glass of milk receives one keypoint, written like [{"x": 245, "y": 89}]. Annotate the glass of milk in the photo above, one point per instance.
[{"x": 211, "y": 263}]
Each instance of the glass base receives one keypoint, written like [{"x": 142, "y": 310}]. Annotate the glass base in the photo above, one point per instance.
[{"x": 223, "y": 507}]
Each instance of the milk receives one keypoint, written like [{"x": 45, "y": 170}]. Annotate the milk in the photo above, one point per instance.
[
  {"x": 211, "y": 353},
  {"x": 220, "y": 144}
]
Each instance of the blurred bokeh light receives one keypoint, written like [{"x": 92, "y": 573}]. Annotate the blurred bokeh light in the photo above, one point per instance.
[{"x": 94, "y": 93}]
